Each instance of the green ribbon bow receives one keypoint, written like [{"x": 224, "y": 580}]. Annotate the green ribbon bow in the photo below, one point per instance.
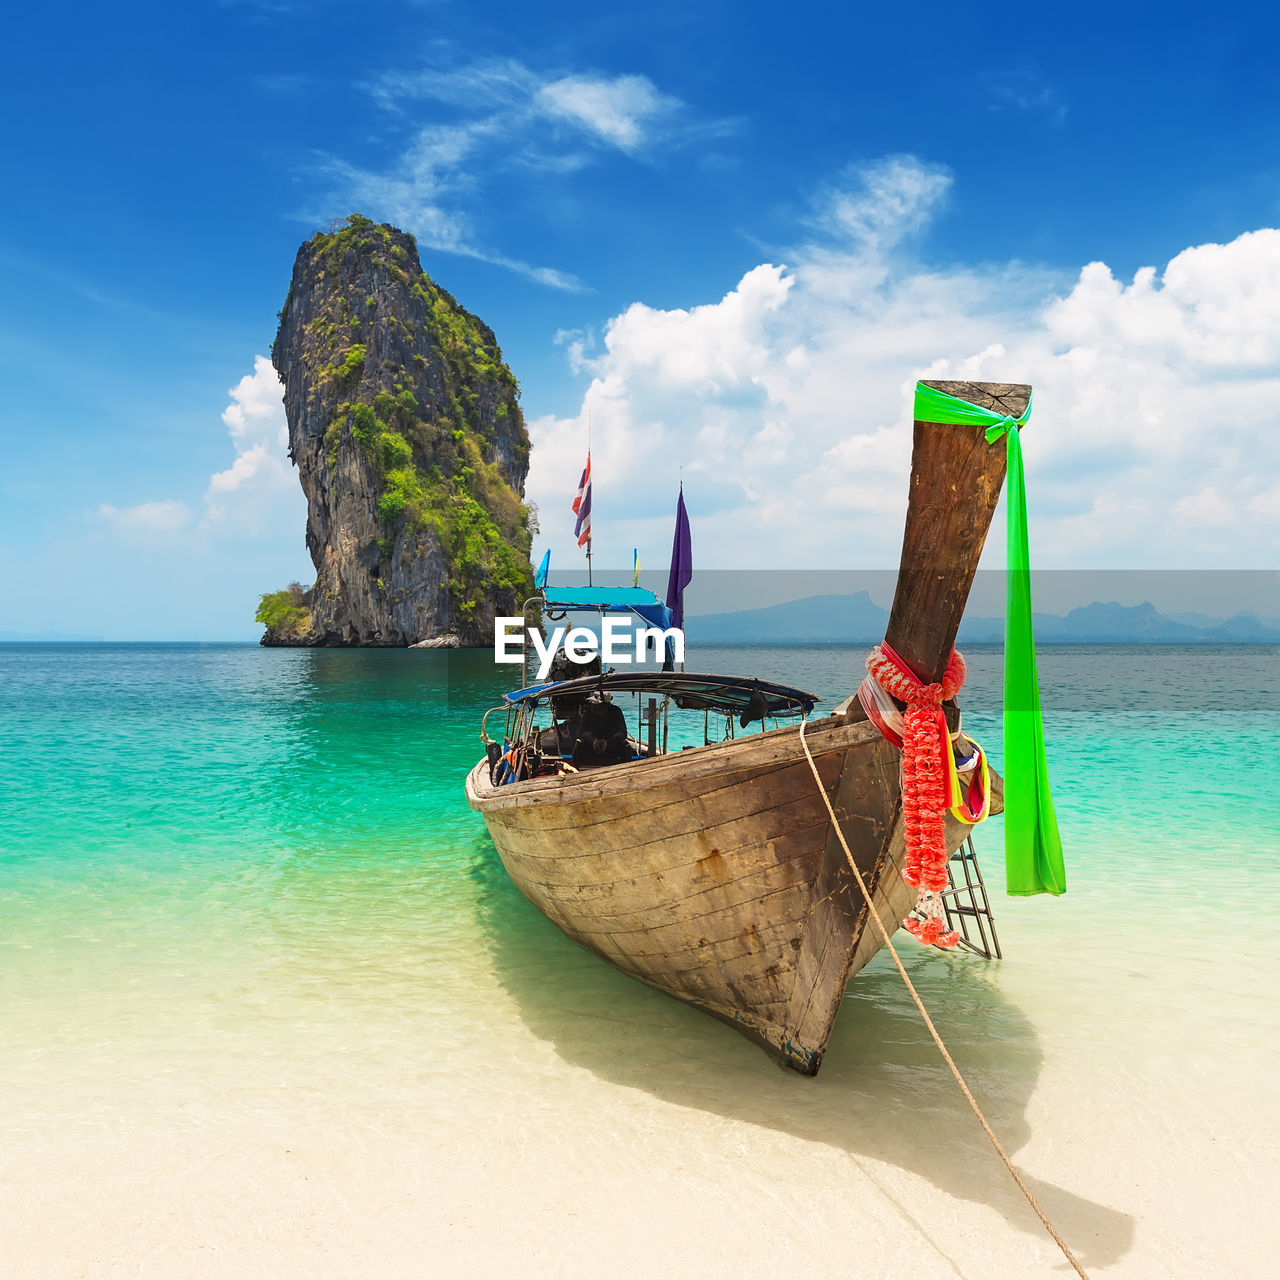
[{"x": 1032, "y": 847}]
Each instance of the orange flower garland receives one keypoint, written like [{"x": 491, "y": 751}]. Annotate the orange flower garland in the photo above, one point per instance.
[{"x": 924, "y": 785}]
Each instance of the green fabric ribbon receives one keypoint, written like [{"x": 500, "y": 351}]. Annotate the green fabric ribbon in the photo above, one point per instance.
[{"x": 1032, "y": 847}]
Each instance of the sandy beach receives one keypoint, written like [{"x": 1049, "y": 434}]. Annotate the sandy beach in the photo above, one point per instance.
[{"x": 542, "y": 1115}]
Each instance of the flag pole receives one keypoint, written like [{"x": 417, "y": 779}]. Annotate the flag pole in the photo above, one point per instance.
[{"x": 588, "y": 526}]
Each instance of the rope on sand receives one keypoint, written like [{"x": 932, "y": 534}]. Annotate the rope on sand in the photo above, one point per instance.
[{"x": 928, "y": 1021}]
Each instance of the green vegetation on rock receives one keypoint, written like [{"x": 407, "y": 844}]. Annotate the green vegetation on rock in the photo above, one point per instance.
[
  {"x": 347, "y": 370},
  {"x": 285, "y": 612},
  {"x": 480, "y": 522}
]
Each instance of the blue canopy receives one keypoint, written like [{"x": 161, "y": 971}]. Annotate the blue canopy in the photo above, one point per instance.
[{"x": 644, "y": 604}]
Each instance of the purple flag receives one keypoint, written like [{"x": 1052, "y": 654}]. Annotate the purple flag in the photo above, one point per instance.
[{"x": 681, "y": 564}]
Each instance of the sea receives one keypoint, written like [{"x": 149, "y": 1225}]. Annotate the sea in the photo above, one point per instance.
[{"x": 270, "y": 1006}]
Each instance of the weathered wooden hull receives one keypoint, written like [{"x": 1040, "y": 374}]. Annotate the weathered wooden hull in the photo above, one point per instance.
[{"x": 714, "y": 874}]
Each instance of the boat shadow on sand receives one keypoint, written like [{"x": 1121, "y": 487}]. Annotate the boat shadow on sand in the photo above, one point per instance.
[{"x": 883, "y": 1093}]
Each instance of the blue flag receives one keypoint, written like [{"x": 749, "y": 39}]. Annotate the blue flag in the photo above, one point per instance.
[
  {"x": 681, "y": 564},
  {"x": 540, "y": 578}
]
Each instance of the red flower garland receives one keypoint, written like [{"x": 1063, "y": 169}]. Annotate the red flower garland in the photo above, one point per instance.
[{"x": 924, "y": 784}]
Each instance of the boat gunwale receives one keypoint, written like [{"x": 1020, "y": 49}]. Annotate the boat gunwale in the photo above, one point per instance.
[{"x": 776, "y": 746}]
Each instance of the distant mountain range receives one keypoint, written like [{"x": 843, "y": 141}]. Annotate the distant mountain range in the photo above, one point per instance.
[{"x": 856, "y": 618}]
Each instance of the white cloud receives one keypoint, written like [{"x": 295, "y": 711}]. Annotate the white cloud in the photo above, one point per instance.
[
  {"x": 247, "y": 467},
  {"x": 256, "y": 412},
  {"x": 147, "y": 517},
  {"x": 624, "y": 110},
  {"x": 257, "y": 491},
  {"x": 493, "y": 119},
  {"x": 261, "y": 478},
  {"x": 787, "y": 402},
  {"x": 669, "y": 386}
]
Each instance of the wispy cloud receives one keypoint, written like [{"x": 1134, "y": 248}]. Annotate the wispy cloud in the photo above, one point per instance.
[
  {"x": 1024, "y": 89},
  {"x": 506, "y": 98},
  {"x": 263, "y": 10},
  {"x": 493, "y": 118},
  {"x": 627, "y": 112},
  {"x": 427, "y": 193},
  {"x": 483, "y": 86},
  {"x": 165, "y": 517},
  {"x": 877, "y": 205},
  {"x": 285, "y": 83}
]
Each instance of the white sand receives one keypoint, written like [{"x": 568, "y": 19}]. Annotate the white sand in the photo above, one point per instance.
[{"x": 508, "y": 1127}]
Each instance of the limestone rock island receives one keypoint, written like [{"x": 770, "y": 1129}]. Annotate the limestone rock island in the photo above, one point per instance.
[{"x": 406, "y": 430}]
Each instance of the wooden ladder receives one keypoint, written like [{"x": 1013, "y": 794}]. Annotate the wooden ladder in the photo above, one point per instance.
[{"x": 966, "y": 900}]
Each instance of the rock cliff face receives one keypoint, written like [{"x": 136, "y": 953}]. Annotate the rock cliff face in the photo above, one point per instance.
[{"x": 405, "y": 426}]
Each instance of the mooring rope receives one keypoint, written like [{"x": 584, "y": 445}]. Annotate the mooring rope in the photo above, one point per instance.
[{"x": 928, "y": 1021}]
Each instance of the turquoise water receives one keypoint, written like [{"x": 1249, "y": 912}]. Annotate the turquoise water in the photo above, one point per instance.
[
  {"x": 196, "y": 832},
  {"x": 241, "y": 894}
]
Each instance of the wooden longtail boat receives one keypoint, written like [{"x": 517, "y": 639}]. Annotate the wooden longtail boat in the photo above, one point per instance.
[{"x": 714, "y": 873}]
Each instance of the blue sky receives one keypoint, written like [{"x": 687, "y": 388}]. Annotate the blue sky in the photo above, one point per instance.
[{"x": 730, "y": 234}]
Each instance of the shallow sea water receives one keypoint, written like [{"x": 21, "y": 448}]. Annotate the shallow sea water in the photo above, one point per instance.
[{"x": 269, "y": 1005}]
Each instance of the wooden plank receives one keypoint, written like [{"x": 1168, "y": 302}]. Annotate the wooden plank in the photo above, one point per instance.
[
  {"x": 778, "y": 746},
  {"x": 652, "y": 886},
  {"x": 955, "y": 485},
  {"x": 867, "y": 804},
  {"x": 679, "y": 810}
]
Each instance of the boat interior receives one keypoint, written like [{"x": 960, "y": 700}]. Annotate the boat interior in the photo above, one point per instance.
[{"x": 606, "y": 718}]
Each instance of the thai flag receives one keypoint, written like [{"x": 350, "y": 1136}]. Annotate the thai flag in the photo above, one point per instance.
[{"x": 582, "y": 506}]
